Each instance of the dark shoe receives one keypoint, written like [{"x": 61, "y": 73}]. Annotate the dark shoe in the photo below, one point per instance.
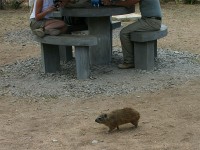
[
  {"x": 126, "y": 66},
  {"x": 39, "y": 32},
  {"x": 52, "y": 32}
]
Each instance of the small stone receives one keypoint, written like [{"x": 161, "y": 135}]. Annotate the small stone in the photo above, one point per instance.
[
  {"x": 54, "y": 140},
  {"x": 101, "y": 140},
  {"x": 145, "y": 122},
  {"x": 94, "y": 142}
]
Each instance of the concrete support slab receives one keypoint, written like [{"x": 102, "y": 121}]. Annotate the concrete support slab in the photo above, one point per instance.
[
  {"x": 82, "y": 62},
  {"x": 101, "y": 54},
  {"x": 144, "y": 55},
  {"x": 50, "y": 58}
]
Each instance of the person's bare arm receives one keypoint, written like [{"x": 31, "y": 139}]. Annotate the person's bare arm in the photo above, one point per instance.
[
  {"x": 126, "y": 3},
  {"x": 38, "y": 11}
]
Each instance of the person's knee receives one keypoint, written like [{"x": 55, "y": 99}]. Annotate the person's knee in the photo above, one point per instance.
[
  {"x": 62, "y": 23},
  {"x": 56, "y": 24}
]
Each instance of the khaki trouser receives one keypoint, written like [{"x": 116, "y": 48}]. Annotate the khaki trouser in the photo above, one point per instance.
[{"x": 144, "y": 24}]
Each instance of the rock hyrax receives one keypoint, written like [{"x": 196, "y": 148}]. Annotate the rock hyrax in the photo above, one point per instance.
[{"x": 119, "y": 117}]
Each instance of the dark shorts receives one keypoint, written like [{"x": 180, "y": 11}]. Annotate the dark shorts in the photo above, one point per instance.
[{"x": 37, "y": 24}]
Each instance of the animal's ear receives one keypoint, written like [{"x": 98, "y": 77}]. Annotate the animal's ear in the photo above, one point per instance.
[{"x": 105, "y": 115}]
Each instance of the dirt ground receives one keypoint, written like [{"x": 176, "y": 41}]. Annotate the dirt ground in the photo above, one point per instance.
[{"x": 170, "y": 118}]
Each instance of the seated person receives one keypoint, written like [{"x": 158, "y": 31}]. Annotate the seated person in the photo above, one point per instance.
[
  {"x": 151, "y": 21},
  {"x": 41, "y": 22}
]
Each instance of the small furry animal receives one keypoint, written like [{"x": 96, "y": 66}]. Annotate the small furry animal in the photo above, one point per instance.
[{"x": 119, "y": 117}]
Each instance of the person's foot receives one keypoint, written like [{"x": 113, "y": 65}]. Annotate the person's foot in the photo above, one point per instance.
[
  {"x": 52, "y": 32},
  {"x": 126, "y": 66},
  {"x": 39, "y": 32}
]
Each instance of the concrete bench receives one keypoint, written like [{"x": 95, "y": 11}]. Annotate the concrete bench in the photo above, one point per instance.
[
  {"x": 145, "y": 47},
  {"x": 66, "y": 52},
  {"x": 51, "y": 55}
]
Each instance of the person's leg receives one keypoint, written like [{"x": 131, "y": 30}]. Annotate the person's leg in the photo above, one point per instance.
[
  {"x": 127, "y": 45},
  {"x": 55, "y": 26},
  {"x": 37, "y": 27},
  {"x": 48, "y": 26}
]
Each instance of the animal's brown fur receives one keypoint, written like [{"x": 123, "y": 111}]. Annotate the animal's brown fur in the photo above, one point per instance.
[{"x": 119, "y": 117}]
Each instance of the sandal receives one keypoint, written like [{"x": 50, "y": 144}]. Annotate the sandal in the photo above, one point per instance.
[{"x": 52, "y": 32}]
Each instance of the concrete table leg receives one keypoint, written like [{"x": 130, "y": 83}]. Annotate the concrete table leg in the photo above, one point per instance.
[
  {"x": 144, "y": 55},
  {"x": 50, "y": 58},
  {"x": 65, "y": 53},
  {"x": 82, "y": 62},
  {"x": 101, "y": 28}
]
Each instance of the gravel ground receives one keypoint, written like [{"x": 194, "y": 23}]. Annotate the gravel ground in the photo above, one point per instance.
[
  {"x": 47, "y": 111},
  {"x": 25, "y": 78}
]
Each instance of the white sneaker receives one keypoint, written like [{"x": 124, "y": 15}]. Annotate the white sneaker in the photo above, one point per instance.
[
  {"x": 52, "y": 32},
  {"x": 39, "y": 32}
]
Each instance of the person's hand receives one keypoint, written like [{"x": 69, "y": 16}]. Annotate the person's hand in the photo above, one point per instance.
[
  {"x": 63, "y": 3},
  {"x": 51, "y": 9},
  {"x": 60, "y": 4},
  {"x": 106, "y": 2}
]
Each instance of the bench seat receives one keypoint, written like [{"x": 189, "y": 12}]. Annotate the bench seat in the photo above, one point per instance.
[
  {"x": 51, "y": 56},
  {"x": 145, "y": 47},
  {"x": 68, "y": 39},
  {"x": 116, "y": 24}
]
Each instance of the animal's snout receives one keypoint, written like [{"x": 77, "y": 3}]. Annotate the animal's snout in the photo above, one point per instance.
[{"x": 98, "y": 120}]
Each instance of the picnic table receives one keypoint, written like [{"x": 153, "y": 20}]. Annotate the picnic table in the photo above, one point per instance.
[{"x": 99, "y": 25}]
